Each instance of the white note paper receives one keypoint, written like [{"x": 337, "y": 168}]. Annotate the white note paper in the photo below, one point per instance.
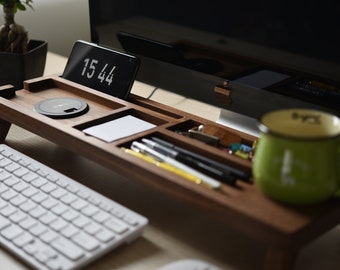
[{"x": 118, "y": 128}]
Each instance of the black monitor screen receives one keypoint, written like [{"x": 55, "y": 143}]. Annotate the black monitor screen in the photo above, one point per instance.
[{"x": 290, "y": 43}]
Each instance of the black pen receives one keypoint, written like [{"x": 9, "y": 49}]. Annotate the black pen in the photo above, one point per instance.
[
  {"x": 213, "y": 163},
  {"x": 194, "y": 163},
  {"x": 204, "y": 179}
]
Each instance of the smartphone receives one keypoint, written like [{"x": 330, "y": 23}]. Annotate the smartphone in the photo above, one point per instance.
[
  {"x": 102, "y": 68},
  {"x": 139, "y": 45}
]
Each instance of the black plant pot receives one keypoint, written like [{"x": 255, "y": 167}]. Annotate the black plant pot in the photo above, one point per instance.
[{"x": 16, "y": 68}]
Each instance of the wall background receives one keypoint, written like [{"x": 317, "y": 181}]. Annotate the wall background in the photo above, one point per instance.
[{"x": 60, "y": 22}]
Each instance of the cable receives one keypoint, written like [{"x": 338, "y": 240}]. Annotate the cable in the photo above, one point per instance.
[{"x": 151, "y": 94}]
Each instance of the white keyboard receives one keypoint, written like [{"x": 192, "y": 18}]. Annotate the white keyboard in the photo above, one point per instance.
[{"x": 53, "y": 222}]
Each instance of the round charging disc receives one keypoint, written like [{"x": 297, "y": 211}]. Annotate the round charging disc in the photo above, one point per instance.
[{"x": 64, "y": 107}]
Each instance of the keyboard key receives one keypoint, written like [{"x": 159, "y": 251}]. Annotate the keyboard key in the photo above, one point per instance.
[
  {"x": 11, "y": 231},
  {"x": 9, "y": 194},
  {"x": 4, "y": 222},
  {"x": 17, "y": 216},
  {"x": 37, "y": 212},
  {"x": 68, "y": 198},
  {"x": 86, "y": 241},
  {"x": 48, "y": 187},
  {"x": 101, "y": 216},
  {"x": 79, "y": 204},
  {"x": 130, "y": 220},
  {"x": 70, "y": 215},
  {"x": 105, "y": 235},
  {"x": 90, "y": 210},
  {"x": 6, "y": 153},
  {"x": 29, "y": 177},
  {"x": 18, "y": 200},
  {"x": 3, "y": 203},
  {"x": 14, "y": 157},
  {"x": 59, "y": 208},
  {"x": 52, "y": 178},
  {"x": 116, "y": 225},
  {"x": 93, "y": 228},
  {"x": 39, "y": 197},
  {"x": 38, "y": 229},
  {"x": 49, "y": 203},
  {"x": 21, "y": 172},
  {"x": 11, "y": 181},
  {"x": 31, "y": 248},
  {"x": 48, "y": 236},
  {"x": 5, "y": 162},
  {"x": 28, "y": 206},
  {"x": 28, "y": 223},
  {"x": 8, "y": 210},
  {"x": 68, "y": 249},
  {"x": 58, "y": 193},
  {"x": 29, "y": 192},
  {"x": 69, "y": 231},
  {"x": 54, "y": 264},
  {"x": 94, "y": 200},
  {"x": 38, "y": 182},
  {"x": 21, "y": 186},
  {"x": 58, "y": 224},
  {"x": 4, "y": 175},
  {"x": 62, "y": 183},
  {"x": 47, "y": 218},
  {"x": 3, "y": 188},
  {"x": 81, "y": 221},
  {"x": 23, "y": 239},
  {"x": 42, "y": 172},
  {"x": 12, "y": 167}
]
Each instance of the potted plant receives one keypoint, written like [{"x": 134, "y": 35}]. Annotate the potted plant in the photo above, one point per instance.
[{"x": 20, "y": 58}]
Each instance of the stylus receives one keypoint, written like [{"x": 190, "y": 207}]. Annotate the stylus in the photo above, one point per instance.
[
  {"x": 195, "y": 163},
  {"x": 224, "y": 167},
  {"x": 149, "y": 151}
]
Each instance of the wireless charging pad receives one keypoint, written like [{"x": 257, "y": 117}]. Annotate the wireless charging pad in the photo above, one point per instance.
[{"x": 61, "y": 107}]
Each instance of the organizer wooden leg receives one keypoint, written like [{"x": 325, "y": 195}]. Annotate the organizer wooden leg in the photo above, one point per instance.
[
  {"x": 4, "y": 128},
  {"x": 279, "y": 259}
]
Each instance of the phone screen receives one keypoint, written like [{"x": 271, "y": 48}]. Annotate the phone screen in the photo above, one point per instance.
[{"x": 103, "y": 69}]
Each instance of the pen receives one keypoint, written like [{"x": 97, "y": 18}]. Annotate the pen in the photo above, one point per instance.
[
  {"x": 207, "y": 180},
  {"x": 218, "y": 174},
  {"x": 165, "y": 166},
  {"x": 229, "y": 169}
]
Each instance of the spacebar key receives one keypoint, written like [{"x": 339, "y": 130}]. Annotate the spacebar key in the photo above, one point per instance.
[{"x": 68, "y": 249}]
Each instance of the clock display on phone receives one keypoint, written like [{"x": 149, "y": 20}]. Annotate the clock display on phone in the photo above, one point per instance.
[{"x": 103, "y": 69}]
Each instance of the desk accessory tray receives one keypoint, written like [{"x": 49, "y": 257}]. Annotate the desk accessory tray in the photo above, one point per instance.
[{"x": 285, "y": 229}]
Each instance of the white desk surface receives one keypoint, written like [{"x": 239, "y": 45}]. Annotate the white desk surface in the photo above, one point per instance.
[{"x": 176, "y": 231}]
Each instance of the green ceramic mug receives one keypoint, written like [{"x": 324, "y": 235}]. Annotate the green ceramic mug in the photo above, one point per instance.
[{"x": 297, "y": 159}]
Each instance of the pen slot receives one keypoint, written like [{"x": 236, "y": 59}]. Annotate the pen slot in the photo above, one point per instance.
[
  {"x": 223, "y": 155},
  {"x": 57, "y": 87},
  {"x": 136, "y": 113},
  {"x": 207, "y": 162},
  {"x": 184, "y": 126},
  {"x": 227, "y": 141},
  {"x": 156, "y": 107},
  {"x": 191, "y": 129},
  {"x": 230, "y": 142}
]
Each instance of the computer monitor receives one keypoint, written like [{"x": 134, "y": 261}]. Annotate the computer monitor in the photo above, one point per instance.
[{"x": 274, "y": 54}]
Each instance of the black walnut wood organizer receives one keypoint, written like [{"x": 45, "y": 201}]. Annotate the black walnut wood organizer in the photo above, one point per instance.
[{"x": 285, "y": 229}]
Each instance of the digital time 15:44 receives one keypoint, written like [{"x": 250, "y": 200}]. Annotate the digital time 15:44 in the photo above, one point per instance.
[{"x": 91, "y": 66}]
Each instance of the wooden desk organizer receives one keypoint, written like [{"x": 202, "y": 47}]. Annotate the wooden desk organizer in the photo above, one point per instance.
[{"x": 283, "y": 228}]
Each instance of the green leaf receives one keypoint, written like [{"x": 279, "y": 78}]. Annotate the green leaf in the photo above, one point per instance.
[
  {"x": 20, "y": 6},
  {"x": 17, "y": 4}
]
